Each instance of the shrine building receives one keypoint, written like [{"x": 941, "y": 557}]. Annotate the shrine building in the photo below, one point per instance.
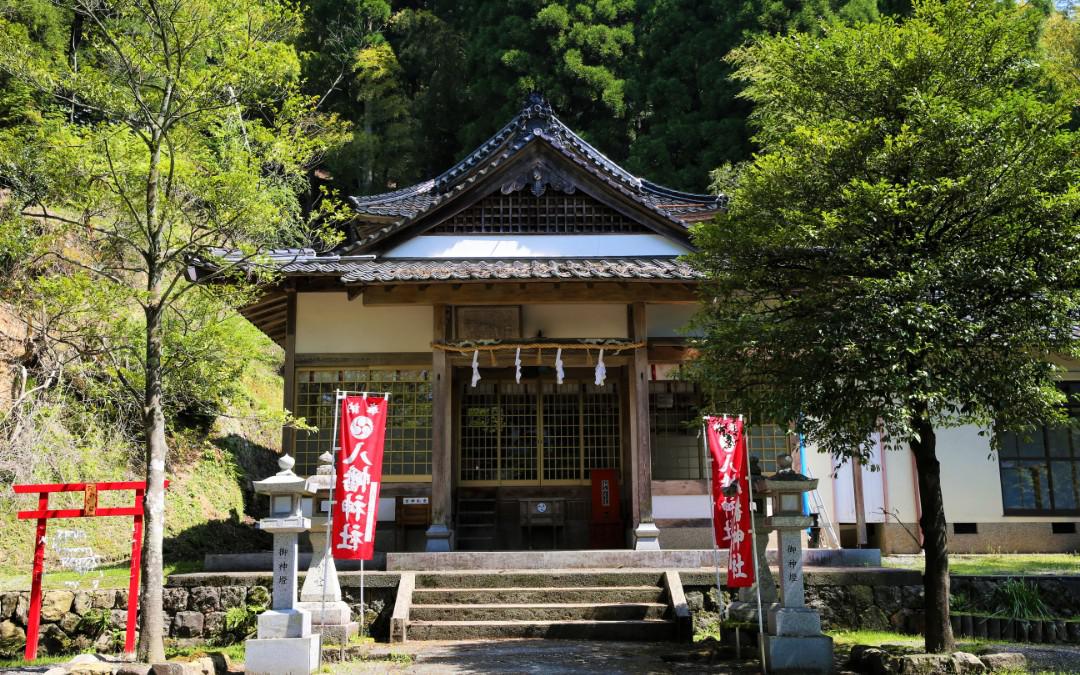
[{"x": 537, "y": 248}]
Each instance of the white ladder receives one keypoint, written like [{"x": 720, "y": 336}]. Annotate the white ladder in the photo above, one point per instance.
[{"x": 823, "y": 516}]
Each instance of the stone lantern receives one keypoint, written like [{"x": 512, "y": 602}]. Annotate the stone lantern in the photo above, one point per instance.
[
  {"x": 284, "y": 642},
  {"x": 793, "y": 642},
  {"x": 330, "y": 616}
]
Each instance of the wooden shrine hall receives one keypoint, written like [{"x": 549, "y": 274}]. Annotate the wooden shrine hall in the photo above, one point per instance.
[{"x": 481, "y": 300}]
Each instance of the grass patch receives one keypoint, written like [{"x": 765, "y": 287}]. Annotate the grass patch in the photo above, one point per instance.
[
  {"x": 110, "y": 576},
  {"x": 234, "y": 652},
  {"x": 997, "y": 563},
  {"x": 850, "y": 638},
  {"x": 39, "y": 661}
]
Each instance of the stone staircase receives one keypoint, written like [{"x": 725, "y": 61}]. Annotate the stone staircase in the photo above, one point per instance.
[{"x": 640, "y": 605}]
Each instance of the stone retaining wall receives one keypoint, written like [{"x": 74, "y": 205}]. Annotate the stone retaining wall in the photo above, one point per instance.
[{"x": 196, "y": 604}]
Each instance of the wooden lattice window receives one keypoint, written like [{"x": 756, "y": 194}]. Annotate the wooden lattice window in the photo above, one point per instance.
[
  {"x": 675, "y": 410},
  {"x": 552, "y": 213},
  {"x": 408, "y": 429},
  {"x": 532, "y": 433}
]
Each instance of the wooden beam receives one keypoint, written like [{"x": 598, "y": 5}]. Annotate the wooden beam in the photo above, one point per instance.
[
  {"x": 503, "y": 293},
  {"x": 288, "y": 434},
  {"x": 325, "y": 360}
]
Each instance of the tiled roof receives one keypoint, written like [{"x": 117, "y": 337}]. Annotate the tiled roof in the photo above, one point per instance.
[
  {"x": 386, "y": 271},
  {"x": 536, "y": 121},
  {"x": 364, "y": 270}
]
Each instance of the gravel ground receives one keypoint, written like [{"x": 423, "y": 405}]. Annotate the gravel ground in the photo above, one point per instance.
[
  {"x": 570, "y": 656},
  {"x": 1042, "y": 658}
]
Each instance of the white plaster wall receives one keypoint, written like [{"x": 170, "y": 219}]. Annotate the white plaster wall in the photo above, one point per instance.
[
  {"x": 664, "y": 320},
  {"x": 970, "y": 480},
  {"x": 536, "y": 246},
  {"x": 574, "y": 321},
  {"x": 680, "y": 506},
  {"x": 328, "y": 323}
]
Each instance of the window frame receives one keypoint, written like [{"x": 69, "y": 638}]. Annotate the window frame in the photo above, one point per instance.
[
  {"x": 300, "y": 379},
  {"x": 1072, "y": 406}
]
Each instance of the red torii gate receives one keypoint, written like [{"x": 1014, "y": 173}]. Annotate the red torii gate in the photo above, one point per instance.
[{"x": 89, "y": 510}]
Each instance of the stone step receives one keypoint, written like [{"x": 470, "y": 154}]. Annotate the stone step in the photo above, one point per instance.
[
  {"x": 538, "y": 595},
  {"x": 539, "y": 579},
  {"x": 639, "y": 631},
  {"x": 539, "y": 612}
]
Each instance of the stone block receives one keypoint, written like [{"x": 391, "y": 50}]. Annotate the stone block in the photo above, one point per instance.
[
  {"x": 795, "y": 622},
  {"x": 285, "y": 656},
  {"x": 337, "y": 634},
  {"x": 335, "y": 613},
  {"x": 924, "y": 664},
  {"x": 167, "y": 669},
  {"x": 231, "y": 596},
  {"x": 205, "y": 599},
  {"x": 82, "y": 603},
  {"x": 174, "y": 599},
  {"x": 88, "y": 664},
  {"x": 69, "y": 623},
  {"x": 22, "y": 609},
  {"x": 213, "y": 623},
  {"x": 799, "y": 654},
  {"x": 55, "y": 604},
  {"x": 8, "y": 603},
  {"x": 284, "y": 623},
  {"x": 118, "y": 617},
  {"x": 103, "y": 599},
  {"x": 1005, "y": 661},
  {"x": 104, "y": 644},
  {"x": 187, "y": 624},
  {"x": 12, "y": 638},
  {"x": 868, "y": 659},
  {"x": 133, "y": 669},
  {"x": 968, "y": 663},
  {"x": 53, "y": 641},
  {"x": 695, "y": 600}
]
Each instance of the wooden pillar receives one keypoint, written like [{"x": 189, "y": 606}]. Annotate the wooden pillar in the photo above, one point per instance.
[
  {"x": 438, "y": 534},
  {"x": 860, "y": 504},
  {"x": 646, "y": 535},
  {"x": 288, "y": 433}
]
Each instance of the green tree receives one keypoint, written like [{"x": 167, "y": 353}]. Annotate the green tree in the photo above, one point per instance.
[
  {"x": 903, "y": 253},
  {"x": 171, "y": 131},
  {"x": 577, "y": 54},
  {"x": 686, "y": 115}
]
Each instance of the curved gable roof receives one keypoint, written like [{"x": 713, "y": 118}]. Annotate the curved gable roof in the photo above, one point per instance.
[{"x": 391, "y": 213}]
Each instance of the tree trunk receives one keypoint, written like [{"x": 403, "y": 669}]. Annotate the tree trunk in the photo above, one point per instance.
[
  {"x": 939, "y": 635},
  {"x": 152, "y": 620}
]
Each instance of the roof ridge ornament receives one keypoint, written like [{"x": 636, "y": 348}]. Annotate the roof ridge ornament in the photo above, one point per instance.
[{"x": 539, "y": 176}]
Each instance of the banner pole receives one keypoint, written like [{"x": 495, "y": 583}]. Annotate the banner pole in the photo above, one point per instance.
[
  {"x": 712, "y": 514},
  {"x": 753, "y": 543},
  {"x": 338, "y": 397}
]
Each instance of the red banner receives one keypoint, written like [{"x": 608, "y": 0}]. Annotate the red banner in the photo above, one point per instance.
[
  {"x": 731, "y": 497},
  {"x": 359, "y": 474}
]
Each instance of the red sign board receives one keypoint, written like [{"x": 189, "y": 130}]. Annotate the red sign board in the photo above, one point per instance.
[
  {"x": 605, "y": 496},
  {"x": 359, "y": 475},
  {"x": 732, "y": 521}
]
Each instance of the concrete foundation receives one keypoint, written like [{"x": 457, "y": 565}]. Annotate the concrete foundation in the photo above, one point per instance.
[
  {"x": 283, "y": 656},
  {"x": 803, "y": 655}
]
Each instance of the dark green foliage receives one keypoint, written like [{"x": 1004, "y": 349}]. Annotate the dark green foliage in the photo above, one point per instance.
[
  {"x": 904, "y": 253},
  {"x": 1019, "y": 599},
  {"x": 646, "y": 82}
]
